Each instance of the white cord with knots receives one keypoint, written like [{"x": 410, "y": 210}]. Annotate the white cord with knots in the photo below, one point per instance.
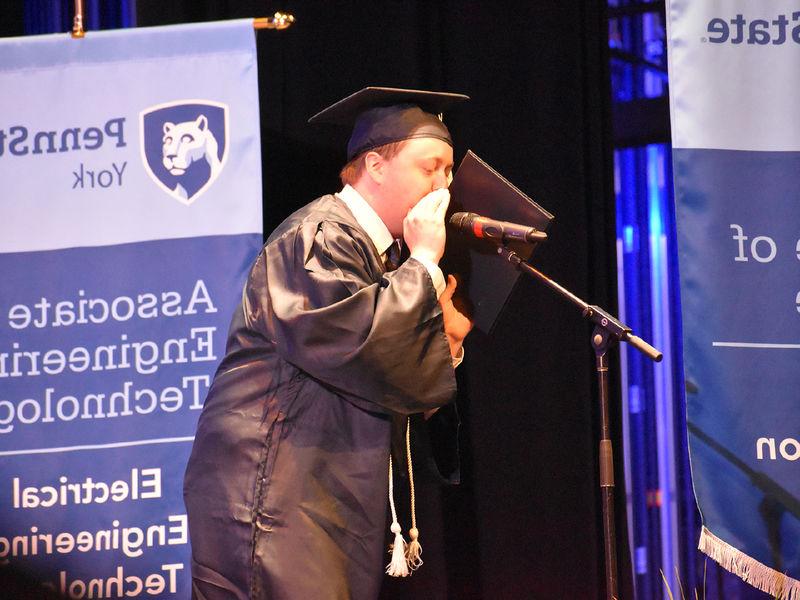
[{"x": 406, "y": 558}]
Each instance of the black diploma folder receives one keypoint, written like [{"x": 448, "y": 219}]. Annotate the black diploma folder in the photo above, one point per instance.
[{"x": 486, "y": 278}]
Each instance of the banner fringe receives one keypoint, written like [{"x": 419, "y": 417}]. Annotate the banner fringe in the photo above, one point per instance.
[{"x": 776, "y": 584}]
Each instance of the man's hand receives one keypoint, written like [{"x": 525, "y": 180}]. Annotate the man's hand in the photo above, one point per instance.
[
  {"x": 423, "y": 227},
  {"x": 456, "y": 322}
]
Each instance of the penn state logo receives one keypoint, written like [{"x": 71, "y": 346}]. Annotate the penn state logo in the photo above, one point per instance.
[{"x": 184, "y": 145}]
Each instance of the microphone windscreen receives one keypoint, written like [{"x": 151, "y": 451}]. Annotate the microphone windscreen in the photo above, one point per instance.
[{"x": 460, "y": 220}]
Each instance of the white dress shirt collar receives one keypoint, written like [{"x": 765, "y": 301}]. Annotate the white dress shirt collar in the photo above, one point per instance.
[{"x": 367, "y": 218}]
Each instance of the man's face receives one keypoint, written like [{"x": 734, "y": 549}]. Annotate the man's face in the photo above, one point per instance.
[{"x": 421, "y": 166}]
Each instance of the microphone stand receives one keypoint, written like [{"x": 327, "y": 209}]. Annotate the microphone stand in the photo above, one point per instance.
[{"x": 607, "y": 331}]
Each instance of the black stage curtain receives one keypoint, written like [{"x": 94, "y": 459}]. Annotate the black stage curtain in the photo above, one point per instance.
[
  {"x": 526, "y": 521},
  {"x": 12, "y": 18}
]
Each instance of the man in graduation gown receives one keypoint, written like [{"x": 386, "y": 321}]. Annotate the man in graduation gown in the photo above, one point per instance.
[{"x": 286, "y": 488}]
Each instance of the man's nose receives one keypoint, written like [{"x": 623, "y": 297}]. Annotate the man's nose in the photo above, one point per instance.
[{"x": 440, "y": 180}]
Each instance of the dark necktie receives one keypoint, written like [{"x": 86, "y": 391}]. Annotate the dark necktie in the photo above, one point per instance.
[{"x": 392, "y": 260}]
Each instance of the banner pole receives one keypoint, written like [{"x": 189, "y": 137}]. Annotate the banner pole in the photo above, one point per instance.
[
  {"x": 278, "y": 21},
  {"x": 77, "y": 22}
]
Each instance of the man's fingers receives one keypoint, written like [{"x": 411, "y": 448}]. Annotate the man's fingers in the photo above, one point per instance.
[{"x": 449, "y": 290}]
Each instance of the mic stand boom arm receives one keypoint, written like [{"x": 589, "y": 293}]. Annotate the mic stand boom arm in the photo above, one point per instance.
[{"x": 607, "y": 330}]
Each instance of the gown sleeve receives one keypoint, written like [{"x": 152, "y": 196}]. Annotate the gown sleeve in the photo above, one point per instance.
[{"x": 319, "y": 295}]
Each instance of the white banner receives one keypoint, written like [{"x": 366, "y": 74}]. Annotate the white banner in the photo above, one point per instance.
[
  {"x": 129, "y": 213},
  {"x": 734, "y": 76}
]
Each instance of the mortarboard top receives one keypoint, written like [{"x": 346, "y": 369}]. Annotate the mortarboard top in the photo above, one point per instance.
[
  {"x": 487, "y": 281},
  {"x": 381, "y": 115}
]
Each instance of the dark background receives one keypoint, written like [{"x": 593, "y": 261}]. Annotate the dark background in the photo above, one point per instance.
[{"x": 525, "y": 522}]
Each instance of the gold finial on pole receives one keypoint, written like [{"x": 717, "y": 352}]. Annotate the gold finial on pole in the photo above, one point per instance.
[
  {"x": 77, "y": 22},
  {"x": 278, "y": 21}
]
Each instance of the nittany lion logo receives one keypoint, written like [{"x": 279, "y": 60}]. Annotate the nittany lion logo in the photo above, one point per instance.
[{"x": 184, "y": 145}]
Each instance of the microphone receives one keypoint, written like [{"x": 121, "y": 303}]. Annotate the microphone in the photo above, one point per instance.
[{"x": 500, "y": 231}]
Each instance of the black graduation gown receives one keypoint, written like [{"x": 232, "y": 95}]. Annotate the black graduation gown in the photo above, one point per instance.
[{"x": 286, "y": 487}]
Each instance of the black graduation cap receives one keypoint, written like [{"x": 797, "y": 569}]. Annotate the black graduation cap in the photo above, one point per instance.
[
  {"x": 487, "y": 280},
  {"x": 381, "y": 115}
]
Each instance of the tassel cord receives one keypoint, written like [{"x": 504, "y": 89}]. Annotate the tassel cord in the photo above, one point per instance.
[{"x": 414, "y": 549}]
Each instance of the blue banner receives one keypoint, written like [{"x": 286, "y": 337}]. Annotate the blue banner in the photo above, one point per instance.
[
  {"x": 129, "y": 214},
  {"x": 734, "y": 74}
]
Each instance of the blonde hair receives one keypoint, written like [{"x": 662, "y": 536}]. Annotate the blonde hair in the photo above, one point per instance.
[{"x": 353, "y": 170}]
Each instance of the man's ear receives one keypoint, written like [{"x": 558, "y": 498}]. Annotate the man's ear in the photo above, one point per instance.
[{"x": 375, "y": 166}]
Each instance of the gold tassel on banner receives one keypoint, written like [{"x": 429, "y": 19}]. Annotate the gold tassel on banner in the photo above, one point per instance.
[
  {"x": 77, "y": 22},
  {"x": 278, "y": 22}
]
